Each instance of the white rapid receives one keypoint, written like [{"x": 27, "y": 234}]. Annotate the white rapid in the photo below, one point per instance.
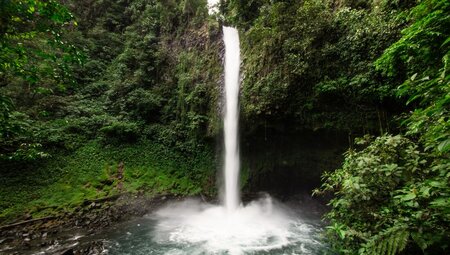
[
  {"x": 231, "y": 119},
  {"x": 261, "y": 227}
]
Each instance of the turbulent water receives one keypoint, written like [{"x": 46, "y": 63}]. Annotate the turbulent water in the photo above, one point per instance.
[{"x": 193, "y": 227}]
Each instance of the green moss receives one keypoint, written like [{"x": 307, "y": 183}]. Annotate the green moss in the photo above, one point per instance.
[{"x": 66, "y": 181}]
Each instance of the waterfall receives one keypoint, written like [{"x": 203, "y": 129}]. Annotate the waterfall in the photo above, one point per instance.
[
  {"x": 231, "y": 118},
  {"x": 194, "y": 227}
]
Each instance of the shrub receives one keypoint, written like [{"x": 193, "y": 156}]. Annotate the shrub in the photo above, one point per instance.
[{"x": 121, "y": 131}]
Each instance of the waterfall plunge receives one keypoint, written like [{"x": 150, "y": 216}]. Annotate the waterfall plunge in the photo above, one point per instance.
[
  {"x": 259, "y": 226},
  {"x": 231, "y": 119}
]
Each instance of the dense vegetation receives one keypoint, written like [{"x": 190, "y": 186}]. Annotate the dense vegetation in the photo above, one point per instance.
[
  {"x": 117, "y": 79},
  {"x": 311, "y": 62},
  {"x": 356, "y": 66},
  {"x": 394, "y": 194},
  {"x": 89, "y": 86}
]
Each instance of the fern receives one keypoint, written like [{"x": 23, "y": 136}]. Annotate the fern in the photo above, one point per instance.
[{"x": 389, "y": 242}]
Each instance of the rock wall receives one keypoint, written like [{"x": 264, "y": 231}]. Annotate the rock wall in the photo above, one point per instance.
[{"x": 284, "y": 163}]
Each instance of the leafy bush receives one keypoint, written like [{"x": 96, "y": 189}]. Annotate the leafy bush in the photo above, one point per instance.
[
  {"x": 143, "y": 104},
  {"x": 121, "y": 131},
  {"x": 389, "y": 190},
  {"x": 17, "y": 140},
  {"x": 395, "y": 194}
]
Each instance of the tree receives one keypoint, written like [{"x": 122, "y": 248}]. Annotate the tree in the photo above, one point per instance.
[{"x": 33, "y": 56}]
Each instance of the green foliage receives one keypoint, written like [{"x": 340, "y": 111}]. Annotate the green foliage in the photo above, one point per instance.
[
  {"x": 390, "y": 242},
  {"x": 121, "y": 131},
  {"x": 8, "y": 127},
  {"x": 245, "y": 12},
  {"x": 195, "y": 101},
  {"x": 312, "y": 62},
  {"x": 386, "y": 194},
  {"x": 127, "y": 82},
  {"x": 395, "y": 194},
  {"x": 32, "y": 46},
  {"x": 146, "y": 96},
  {"x": 15, "y": 129},
  {"x": 154, "y": 80},
  {"x": 424, "y": 43},
  {"x": 35, "y": 60},
  {"x": 65, "y": 181}
]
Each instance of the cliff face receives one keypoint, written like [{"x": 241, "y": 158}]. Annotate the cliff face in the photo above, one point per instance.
[
  {"x": 309, "y": 86},
  {"x": 285, "y": 163},
  {"x": 310, "y": 63},
  {"x": 154, "y": 67}
]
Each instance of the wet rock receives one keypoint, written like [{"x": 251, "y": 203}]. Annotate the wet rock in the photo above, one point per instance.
[
  {"x": 68, "y": 252},
  {"x": 90, "y": 218},
  {"x": 95, "y": 247}
]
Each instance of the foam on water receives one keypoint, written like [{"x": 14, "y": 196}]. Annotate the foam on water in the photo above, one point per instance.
[{"x": 260, "y": 226}]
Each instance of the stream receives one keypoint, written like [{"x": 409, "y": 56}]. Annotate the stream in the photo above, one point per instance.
[
  {"x": 192, "y": 226},
  {"x": 287, "y": 230},
  {"x": 264, "y": 226}
]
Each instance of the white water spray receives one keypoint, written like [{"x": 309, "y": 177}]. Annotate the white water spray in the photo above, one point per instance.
[{"x": 231, "y": 119}]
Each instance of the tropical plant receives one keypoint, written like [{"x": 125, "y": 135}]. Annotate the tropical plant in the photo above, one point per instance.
[
  {"x": 394, "y": 195},
  {"x": 35, "y": 60}
]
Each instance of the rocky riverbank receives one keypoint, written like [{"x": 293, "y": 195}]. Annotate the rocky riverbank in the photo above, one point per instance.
[{"x": 61, "y": 234}]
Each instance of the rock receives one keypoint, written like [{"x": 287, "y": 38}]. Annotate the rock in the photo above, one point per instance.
[
  {"x": 96, "y": 247},
  {"x": 90, "y": 217},
  {"x": 68, "y": 252}
]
